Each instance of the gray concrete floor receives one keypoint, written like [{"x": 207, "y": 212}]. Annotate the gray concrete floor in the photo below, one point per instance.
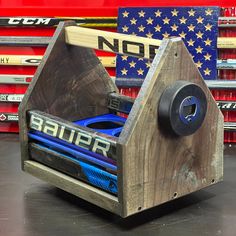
[{"x": 30, "y": 207}]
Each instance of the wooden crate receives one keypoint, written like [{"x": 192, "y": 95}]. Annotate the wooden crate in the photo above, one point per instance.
[{"x": 153, "y": 167}]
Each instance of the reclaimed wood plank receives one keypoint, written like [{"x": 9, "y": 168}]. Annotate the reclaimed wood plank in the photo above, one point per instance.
[
  {"x": 157, "y": 167},
  {"x": 71, "y": 185}
]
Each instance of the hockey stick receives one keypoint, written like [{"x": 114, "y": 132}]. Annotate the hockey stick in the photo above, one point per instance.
[
  {"x": 212, "y": 84},
  {"x": 230, "y": 126},
  {"x": 84, "y": 21},
  {"x": 54, "y": 21},
  {"x": 226, "y": 64},
  {"x": 226, "y": 105},
  {"x": 24, "y": 41},
  {"x": 20, "y": 60},
  {"x": 32, "y": 60},
  {"x": 226, "y": 42},
  {"x": 221, "y": 84},
  {"x": 226, "y": 22},
  {"x": 120, "y": 82}
]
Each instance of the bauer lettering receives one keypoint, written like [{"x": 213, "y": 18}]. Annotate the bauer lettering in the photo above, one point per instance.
[{"x": 68, "y": 134}]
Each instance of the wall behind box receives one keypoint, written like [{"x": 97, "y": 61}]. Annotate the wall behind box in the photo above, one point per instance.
[{"x": 90, "y": 8}]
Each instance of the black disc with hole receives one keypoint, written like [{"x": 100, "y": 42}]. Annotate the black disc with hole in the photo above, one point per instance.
[{"x": 182, "y": 108}]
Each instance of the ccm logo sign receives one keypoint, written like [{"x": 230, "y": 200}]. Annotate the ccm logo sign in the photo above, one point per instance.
[
  {"x": 132, "y": 48},
  {"x": 76, "y": 136},
  {"x": 29, "y": 21}
]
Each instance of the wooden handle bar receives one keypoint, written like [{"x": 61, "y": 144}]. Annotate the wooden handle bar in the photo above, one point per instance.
[{"x": 112, "y": 42}]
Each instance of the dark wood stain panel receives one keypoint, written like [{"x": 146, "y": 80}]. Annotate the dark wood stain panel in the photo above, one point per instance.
[{"x": 158, "y": 167}]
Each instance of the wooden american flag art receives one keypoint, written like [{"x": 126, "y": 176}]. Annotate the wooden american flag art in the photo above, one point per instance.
[{"x": 197, "y": 26}]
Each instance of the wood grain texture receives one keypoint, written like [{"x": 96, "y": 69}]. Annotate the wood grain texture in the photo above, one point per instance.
[
  {"x": 65, "y": 84},
  {"x": 72, "y": 84},
  {"x": 71, "y": 185},
  {"x": 69, "y": 77},
  {"x": 153, "y": 167},
  {"x": 90, "y": 38},
  {"x": 157, "y": 167}
]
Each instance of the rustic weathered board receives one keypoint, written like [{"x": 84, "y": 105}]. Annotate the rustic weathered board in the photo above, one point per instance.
[
  {"x": 156, "y": 167},
  {"x": 72, "y": 84},
  {"x": 58, "y": 87},
  {"x": 71, "y": 185}
]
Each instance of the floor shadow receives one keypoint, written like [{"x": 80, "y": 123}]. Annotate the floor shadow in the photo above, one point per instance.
[{"x": 141, "y": 218}]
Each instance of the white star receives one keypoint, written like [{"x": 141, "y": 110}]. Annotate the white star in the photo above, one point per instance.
[
  {"x": 157, "y": 28},
  {"x": 207, "y": 57},
  {"x": 191, "y": 12},
  {"x": 182, "y": 35},
  {"x": 208, "y": 27},
  {"x": 208, "y": 42},
  {"x": 183, "y": 20},
  {"x": 141, "y": 13},
  {"x": 149, "y": 35},
  {"x": 125, "y": 14},
  {"x": 140, "y": 71},
  {"x": 124, "y": 71},
  {"x": 207, "y": 71},
  {"x": 141, "y": 28},
  {"x": 165, "y": 35},
  {"x": 166, "y": 21},
  {"x": 174, "y": 27},
  {"x": 124, "y": 58},
  {"x": 198, "y": 64},
  {"x": 174, "y": 12},
  {"x": 132, "y": 64},
  {"x": 133, "y": 21},
  {"x": 158, "y": 13},
  {"x": 149, "y": 21},
  {"x": 148, "y": 64},
  {"x": 208, "y": 12},
  {"x": 125, "y": 28},
  {"x": 190, "y": 42}
]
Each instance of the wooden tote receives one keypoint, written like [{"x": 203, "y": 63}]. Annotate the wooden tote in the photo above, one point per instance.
[{"x": 153, "y": 167}]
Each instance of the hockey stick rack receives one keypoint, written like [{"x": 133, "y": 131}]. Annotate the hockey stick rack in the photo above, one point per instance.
[{"x": 154, "y": 166}]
